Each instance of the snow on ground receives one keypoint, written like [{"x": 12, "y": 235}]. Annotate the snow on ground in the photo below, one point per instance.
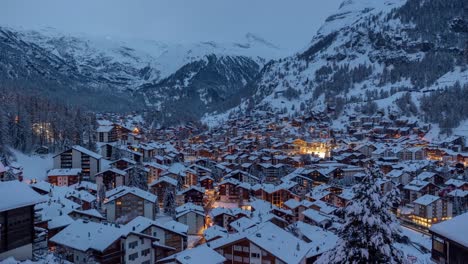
[
  {"x": 413, "y": 254},
  {"x": 417, "y": 237},
  {"x": 434, "y": 133},
  {"x": 462, "y": 129},
  {"x": 34, "y": 166}
]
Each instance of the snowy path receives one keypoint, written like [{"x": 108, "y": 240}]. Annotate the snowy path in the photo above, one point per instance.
[{"x": 34, "y": 166}]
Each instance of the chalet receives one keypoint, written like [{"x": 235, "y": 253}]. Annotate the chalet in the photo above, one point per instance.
[
  {"x": 242, "y": 176},
  {"x": 125, "y": 203},
  {"x": 417, "y": 188},
  {"x": 89, "y": 215},
  {"x": 214, "y": 232},
  {"x": 316, "y": 218},
  {"x": 63, "y": 177},
  {"x": 207, "y": 182},
  {"x": 78, "y": 157},
  {"x": 457, "y": 184},
  {"x": 228, "y": 191},
  {"x": 84, "y": 241},
  {"x": 193, "y": 216},
  {"x": 200, "y": 170},
  {"x": 122, "y": 163},
  {"x": 155, "y": 170},
  {"x": 449, "y": 240},
  {"x": 319, "y": 239},
  {"x": 261, "y": 246},
  {"x": 430, "y": 209},
  {"x": 398, "y": 177},
  {"x": 272, "y": 172},
  {"x": 263, "y": 207},
  {"x": 193, "y": 194},
  {"x": 111, "y": 178},
  {"x": 275, "y": 194},
  {"x": 297, "y": 207},
  {"x": 414, "y": 153},
  {"x": 161, "y": 186},
  {"x": 110, "y": 132},
  {"x": 171, "y": 235},
  {"x": 17, "y": 220},
  {"x": 90, "y": 187},
  {"x": 85, "y": 199},
  {"x": 431, "y": 177}
]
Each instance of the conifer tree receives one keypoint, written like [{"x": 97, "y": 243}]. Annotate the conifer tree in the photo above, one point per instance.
[{"x": 368, "y": 234}]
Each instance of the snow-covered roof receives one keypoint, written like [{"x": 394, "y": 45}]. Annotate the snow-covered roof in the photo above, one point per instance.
[
  {"x": 60, "y": 221},
  {"x": 124, "y": 190},
  {"x": 90, "y": 212},
  {"x": 87, "y": 152},
  {"x": 16, "y": 194},
  {"x": 105, "y": 128},
  {"x": 280, "y": 243},
  {"x": 63, "y": 172},
  {"x": 83, "y": 235},
  {"x": 320, "y": 239},
  {"x": 189, "y": 207},
  {"x": 200, "y": 254},
  {"x": 164, "y": 179},
  {"x": 85, "y": 185},
  {"x": 455, "y": 229},
  {"x": 456, "y": 183},
  {"x": 82, "y": 195},
  {"x": 214, "y": 232},
  {"x": 316, "y": 216},
  {"x": 426, "y": 199}
]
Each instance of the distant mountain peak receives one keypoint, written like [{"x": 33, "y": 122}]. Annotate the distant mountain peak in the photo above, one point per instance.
[{"x": 255, "y": 38}]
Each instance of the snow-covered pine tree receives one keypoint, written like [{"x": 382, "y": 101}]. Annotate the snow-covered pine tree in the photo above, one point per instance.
[
  {"x": 101, "y": 195},
  {"x": 367, "y": 236},
  {"x": 169, "y": 202},
  {"x": 138, "y": 177}
]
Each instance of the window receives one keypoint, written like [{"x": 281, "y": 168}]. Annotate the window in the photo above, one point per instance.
[
  {"x": 146, "y": 262},
  {"x": 133, "y": 244},
  {"x": 133, "y": 256},
  {"x": 437, "y": 246},
  {"x": 255, "y": 255},
  {"x": 145, "y": 252},
  {"x": 237, "y": 248}
]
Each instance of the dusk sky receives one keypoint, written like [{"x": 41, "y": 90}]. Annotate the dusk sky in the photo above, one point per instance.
[{"x": 288, "y": 24}]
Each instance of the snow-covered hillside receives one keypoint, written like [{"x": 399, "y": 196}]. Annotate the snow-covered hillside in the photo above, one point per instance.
[{"x": 370, "y": 56}]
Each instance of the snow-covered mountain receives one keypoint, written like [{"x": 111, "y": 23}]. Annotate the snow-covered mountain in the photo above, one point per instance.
[
  {"x": 389, "y": 55},
  {"x": 107, "y": 65}
]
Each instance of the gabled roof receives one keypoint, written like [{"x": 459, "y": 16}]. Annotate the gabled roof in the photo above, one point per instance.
[
  {"x": 124, "y": 190},
  {"x": 85, "y": 235},
  {"x": 426, "y": 199},
  {"x": 454, "y": 229},
  {"x": 200, "y": 254},
  {"x": 16, "y": 194},
  {"x": 166, "y": 179},
  {"x": 63, "y": 172},
  {"x": 87, "y": 152},
  {"x": 140, "y": 224}
]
